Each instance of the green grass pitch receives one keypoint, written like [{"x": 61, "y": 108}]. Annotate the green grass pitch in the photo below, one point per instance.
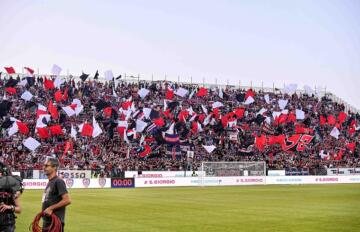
[{"x": 241, "y": 208}]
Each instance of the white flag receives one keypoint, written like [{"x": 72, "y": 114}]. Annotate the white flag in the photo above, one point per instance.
[
  {"x": 207, "y": 119},
  {"x": 143, "y": 92},
  {"x": 22, "y": 83},
  {"x": 249, "y": 100},
  {"x": 209, "y": 149},
  {"x": 78, "y": 109},
  {"x": 165, "y": 105},
  {"x": 282, "y": 103},
  {"x": 41, "y": 107},
  {"x": 26, "y": 96},
  {"x": 126, "y": 138},
  {"x": 56, "y": 70},
  {"x": 69, "y": 111},
  {"x": 108, "y": 75},
  {"x": 335, "y": 133},
  {"x": 290, "y": 89},
  {"x": 142, "y": 139},
  {"x": 171, "y": 129},
  {"x": 217, "y": 105},
  {"x": 267, "y": 98},
  {"x": 14, "y": 129},
  {"x": 300, "y": 114},
  {"x": 31, "y": 143},
  {"x": 192, "y": 94},
  {"x": 140, "y": 125},
  {"x": 80, "y": 127},
  {"x": 181, "y": 92},
  {"x": 263, "y": 110},
  {"x": 40, "y": 121},
  {"x": 204, "y": 109},
  {"x": 147, "y": 112},
  {"x": 97, "y": 130},
  {"x": 221, "y": 94},
  {"x": 58, "y": 81},
  {"x": 114, "y": 93},
  {"x": 308, "y": 90},
  {"x": 73, "y": 132}
]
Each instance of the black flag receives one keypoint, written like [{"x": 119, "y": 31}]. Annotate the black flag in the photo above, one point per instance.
[
  {"x": 118, "y": 77},
  {"x": 96, "y": 75},
  {"x": 84, "y": 76}
]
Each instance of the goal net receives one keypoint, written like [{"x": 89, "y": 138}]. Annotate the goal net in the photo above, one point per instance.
[{"x": 211, "y": 170}]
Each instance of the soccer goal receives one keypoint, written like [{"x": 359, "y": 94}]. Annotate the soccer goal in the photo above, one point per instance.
[{"x": 212, "y": 171}]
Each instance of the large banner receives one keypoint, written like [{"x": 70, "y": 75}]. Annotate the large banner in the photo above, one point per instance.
[
  {"x": 297, "y": 172},
  {"x": 196, "y": 181},
  {"x": 160, "y": 174},
  {"x": 70, "y": 183},
  {"x": 75, "y": 174},
  {"x": 343, "y": 171},
  {"x": 312, "y": 179}
]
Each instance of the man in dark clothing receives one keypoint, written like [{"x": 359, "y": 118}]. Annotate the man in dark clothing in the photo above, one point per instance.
[
  {"x": 55, "y": 196},
  {"x": 9, "y": 199}
]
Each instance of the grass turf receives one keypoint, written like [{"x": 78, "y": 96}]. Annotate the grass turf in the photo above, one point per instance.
[{"x": 240, "y": 208}]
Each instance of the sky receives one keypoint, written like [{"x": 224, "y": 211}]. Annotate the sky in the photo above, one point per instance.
[{"x": 248, "y": 42}]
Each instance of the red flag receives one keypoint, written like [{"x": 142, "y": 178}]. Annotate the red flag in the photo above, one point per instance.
[
  {"x": 331, "y": 120},
  {"x": 56, "y": 130},
  {"x": 249, "y": 93},
  {"x": 291, "y": 117},
  {"x": 30, "y": 71},
  {"x": 108, "y": 111},
  {"x": 299, "y": 129},
  {"x": 216, "y": 113},
  {"x": 282, "y": 118},
  {"x": 87, "y": 130},
  {"x": 278, "y": 139},
  {"x": 167, "y": 113},
  {"x": 40, "y": 112},
  {"x": 49, "y": 84},
  {"x": 202, "y": 117},
  {"x": 159, "y": 122},
  {"x": 10, "y": 90},
  {"x": 43, "y": 133},
  {"x": 23, "y": 128},
  {"x": 260, "y": 142},
  {"x": 169, "y": 94},
  {"x": 53, "y": 111},
  {"x": 146, "y": 151},
  {"x": 342, "y": 117},
  {"x": 68, "y": 146},
  {"x": 126, "y": 105},
  {"x": 121, "y": 130},
  {"x": 291, "y": 142},
  {"x": 10, "y": 70},
  {"x": 339, "y": 155},
  {"x": 240, "y": 112},
  {"x": 202, "y": 92},
  {"x": 322, "y": 120},
  {"x": 183, "y": 115},
  {"x": 351, "y": 146},
  {"x": 304, "y": 141},
  {"x": 194, "y": 127},
  {"x": 58, "y": 96}
]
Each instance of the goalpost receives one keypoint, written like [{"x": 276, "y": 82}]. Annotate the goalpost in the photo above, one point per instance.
[{"x": 211, "y": 170}]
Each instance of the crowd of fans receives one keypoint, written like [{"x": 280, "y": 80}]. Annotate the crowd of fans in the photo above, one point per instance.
[{"x": 234, "y": 129}]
